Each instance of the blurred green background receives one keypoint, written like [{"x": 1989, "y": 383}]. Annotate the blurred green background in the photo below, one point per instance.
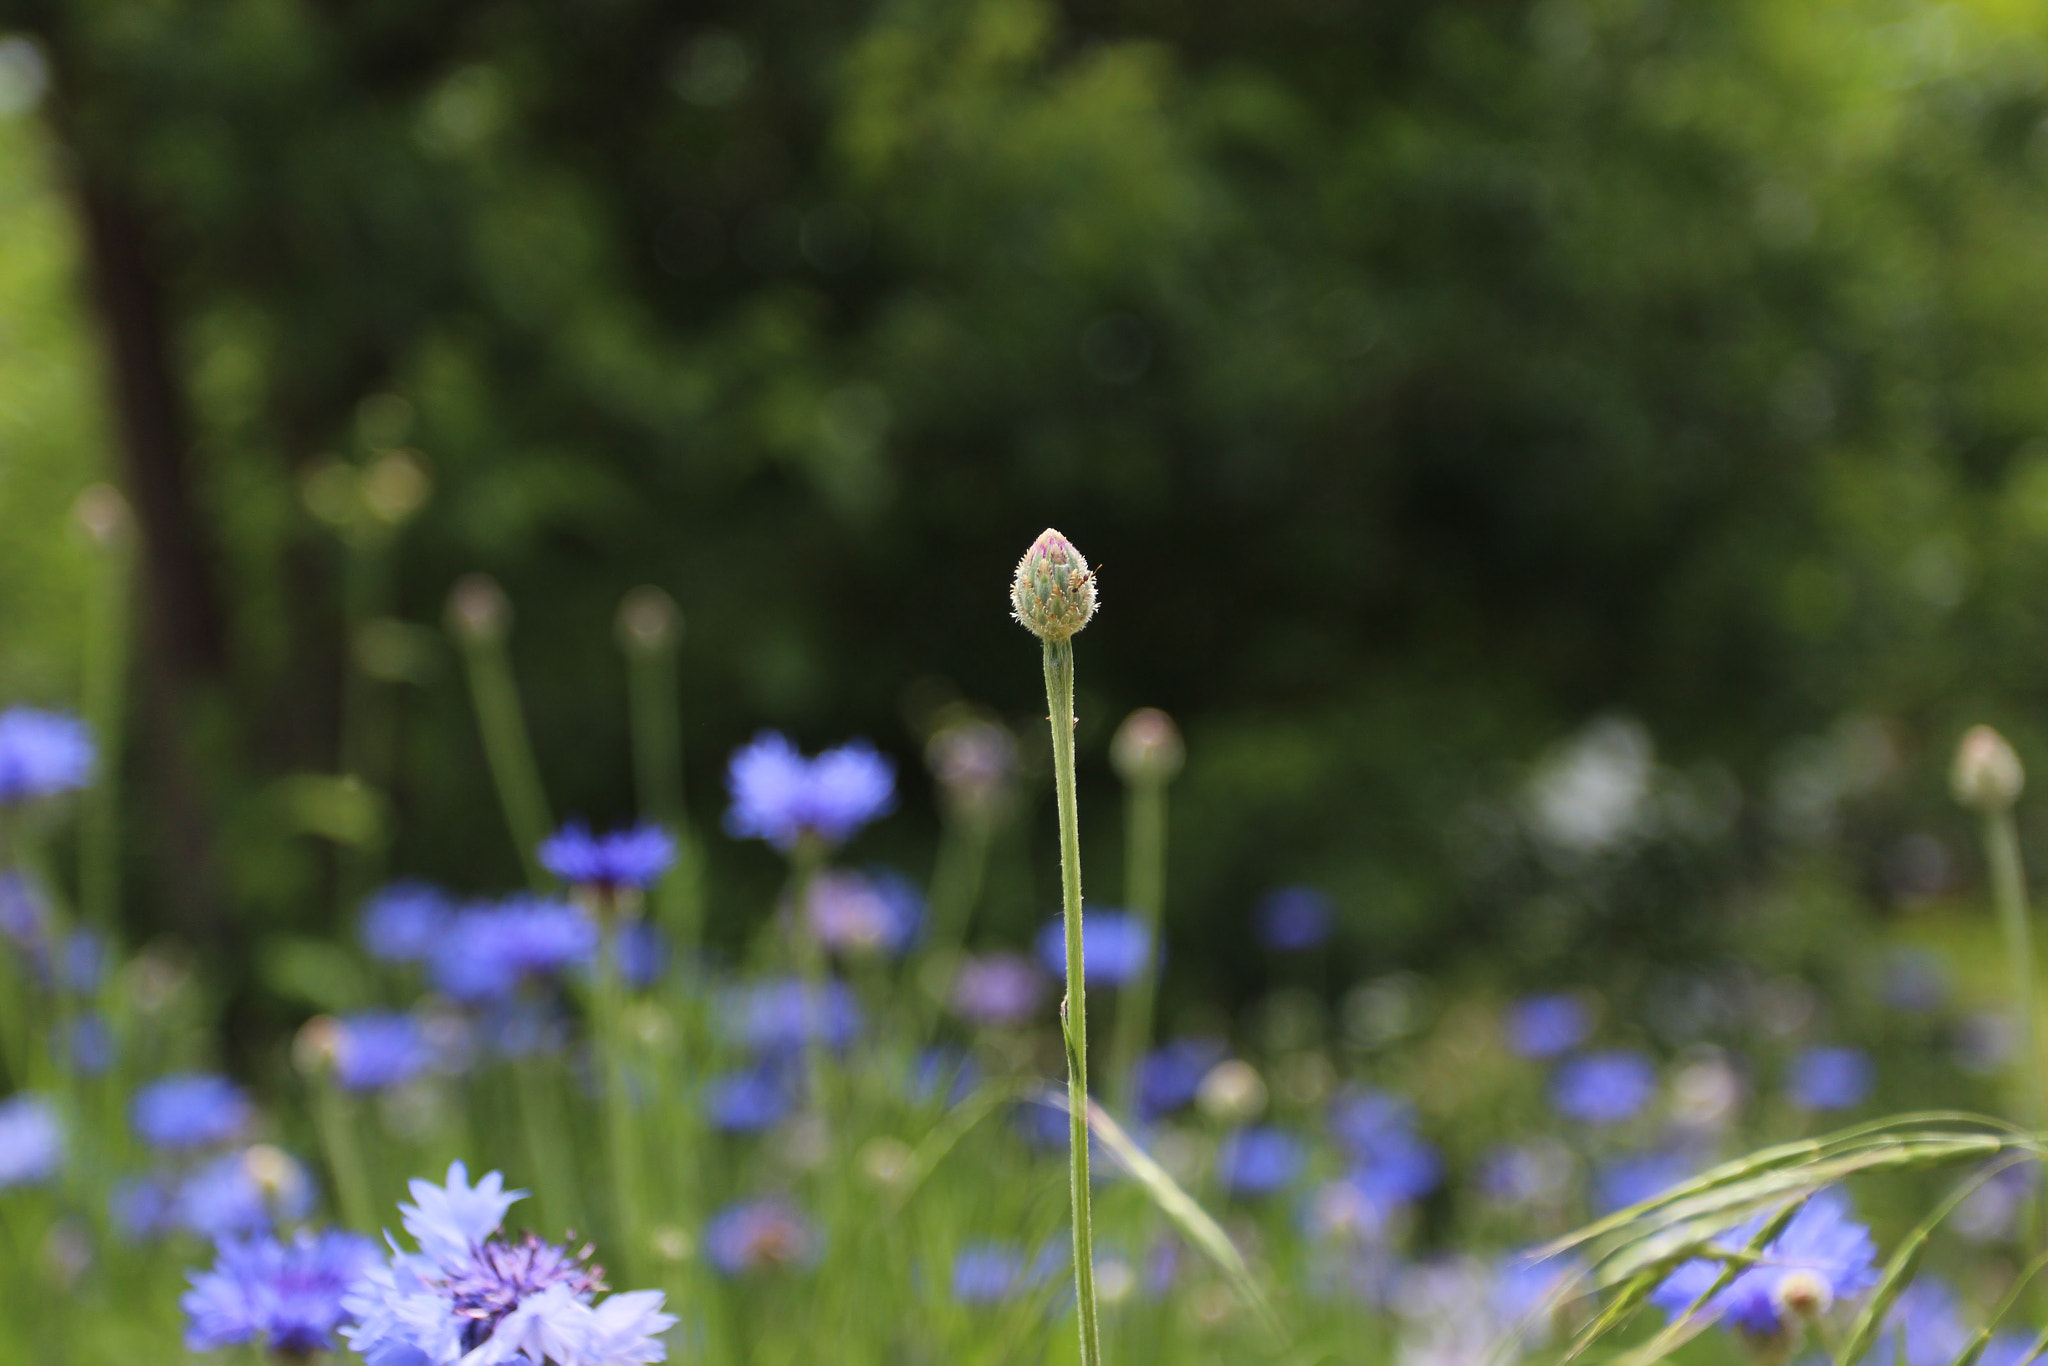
[{"x": 1572, "y": 468}]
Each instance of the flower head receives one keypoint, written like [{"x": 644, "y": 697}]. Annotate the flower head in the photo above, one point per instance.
[
  {"x": 987, "y": 1273},
  {"x": 42, "y": 753},
  {"x": 780, "y": 796},
  {"x": 31, "y": 1141},
  {"x": 875, "y": 912},
  {"x": 1830, "y": 1079},
  {"x": 1822, "y": 1256},
  {"x": 781, "y": 1015},
  {"x": 471, "y": 1296},
  {"x": 748, "y": 1102},
  {"x": 632, "y": 858},
  {"x": 487, "y": 951},
  {"x": 1987, "y": 775},
  {"x": 190, "y": 1110},
  {"x": 760, "y": 1234},
  {"x": 1115, "y": 947},
  {"x": 1170, "y": 1076},
  {"x": 284, "y": 1296},
  {"x": 1147, "y": 748},
  {"x": 379, "y": 1049},
  {"x": 249, "y": 1191},
  {"x": 1293, "y": 919},
  {"x": 998, "y": 989},
  {"x": 404, "y": 922},
  {"x": 1259, "y": 1161},
  {"x": 1545, "y": 1026},
  {"x": 1604, "y": 1088},
  {"x": 1053, "y": 594},
  {"x": 1391, "y": 1162},
  {"x": 974, "y": 762}
]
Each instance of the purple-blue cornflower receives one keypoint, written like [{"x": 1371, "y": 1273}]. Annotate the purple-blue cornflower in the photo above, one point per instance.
[
  {"x": 987, "y": 1273},
  {"x": 405, "y": 922},
  {"x": 379, "y": 1049},
  {"x": 249, "y": 1191},
  {"x": 748, "y": 1102},
  {"x": 1390, "y": 1161},
  {"x": 1259, "y": 1161},
  {"x": 488, "y": 951},
  {"x": 1294, "y": 919},
  {"x": 470, "y": 1295},
  {"x": 635, "y": 857},
  {"x": 1830, "y": 1079},
  {"x": 1170, "y": 1075},
  {"x": 190, "y": 1110},
  {"x": 89, "y": 1044},
  {"x": 42, "y": 753},
  {"x": 873, "y": 912},
  {"x": 2009, "y": 1348},
  {"x": 1927, "y": 1315},
  {"x": 1545, "y": 1026},
  {"x": 639, "y": 951},
  {"x": 1631, "y": 1180},
  {"x": 283, "y": 1296},
  {"x": 31, "y": 1141},
  {"x": 1604, "y": 1088},
  {"x": 760, "y": 1234},
  {"x": 1915, "y": 981},
  {"x": 24, "y": 919},
  {"x": 1822, "y": 1253},
  {"x": 944, "y": 1072},
  {"x": 1525, "y": 1173},
  {"x": 780, "y": 796},
  {"x": 1114, "y": 945},
  {"x": 781, "y": 1015},
  {"x": 998, "y": 989}
]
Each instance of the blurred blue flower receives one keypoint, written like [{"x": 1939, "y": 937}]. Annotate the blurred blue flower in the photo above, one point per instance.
[
  {"x": 1259, "y": 1161},
  {"x": 1915, "y": 981},
  {"x": 634, "y": 857},
  {"x": 878, "y": 911},
  {"x": 1927, "y": 1315},
  {"x": 748, "y": 1102},
  {"x": 998, "y": 989},
  {"x": 85, "y": 961},
  {"x": 90, "y": 1044},
  {"x": 1991, "y": 1211},
  {"x": 190, "y": 1110},
  {"x": 1545, "y": 1026},
  {"x": 473, "y": 1296},
  {"x": 1604, "y": 1088},
  {"x": 944, "y": 1071},
  {"x": 245, "y": 1192},
  {"x": 1390, "y": 1161},
  {"x": 404, "y": 922},
  {"x": 31, "y": 1141},
  {"x": 24, "y": 920},
  {"x": 1525, "y": 1173},
  {"x": 1170, "y": 1075},
  {"x": 1830, "y": 1079},
  {"x": 285, "y": 1297},
  {"x": 760, "y": 1234},
  {"x": 140, "y": 1206},
  {"x": 1631, "y": 1180},
  {"x": 1294, "y": 919},
  {"x": 640, "y": 952},
  {"x": 486, "y": 952},
  {"x": 1114, "y": 947},
  {"x": 780, "y": 1015},
  {"x": 1822, "y": 1245},
  {"x": 2009, "y": 1348},
  {"x": 988, "y": 1273},
  {"x": 780, "y": 796},
  {"x": 42, "y": 753},
  {"x": 379, "y": 1049},
  {"x": 1042, "y": 1125},
  {"x": 1525, "y": 1286}
]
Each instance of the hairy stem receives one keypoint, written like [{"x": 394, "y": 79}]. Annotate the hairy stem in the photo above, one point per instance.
[{"x": 1145, "y": 893}]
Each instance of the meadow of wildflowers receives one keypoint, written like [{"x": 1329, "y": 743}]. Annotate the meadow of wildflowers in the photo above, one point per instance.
[{"x": 560, "y": 1132}]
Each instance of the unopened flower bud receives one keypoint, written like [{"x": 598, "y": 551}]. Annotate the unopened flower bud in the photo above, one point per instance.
[
  {"x": 478, "y": 612},
  {"x": 273, "y": 1172},
  {"x": 1147, "y": 748},
  {"x": 1803, "y": 1295},
  {"x": 1987, "y": 775},
  {"x": 973, "y": 761},
  {"x": 1232, "y": 1093},
  {"x": 395, "y": 486},
  {"x": 648, "y": 621},
  {"x": 1053, "y": 594},
  {"x": 318, "y": 1046},
  {"x": 101, "y": 512}
]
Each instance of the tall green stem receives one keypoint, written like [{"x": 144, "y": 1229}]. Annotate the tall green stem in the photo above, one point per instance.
[
  {"x": 2009, "y": 893},
  {"x": 1059, "y": 697},
  {"x": 621, "y": 1137},
  {"x": 103, "y": 675},
  {"x": 1145, "y": 892},
  {"x": 509, "y": 752},
  {"x": 658, "y": 778},
  {"x": 331, "y": 1112}
]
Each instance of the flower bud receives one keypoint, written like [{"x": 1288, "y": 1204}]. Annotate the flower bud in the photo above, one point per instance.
[
  {"x": 1987, "y": 775},
  {"x": 478, "y": 612},
  {"x": 1232, "y": 1093},
  {"x": 974, "y": 762},
  {"x": 102, "y": 513},
  {"x": 1053, "y": 595},
  {"x": 1147, "y": 748},
  {"x": 317, "y": 1047},
  {"x": 649, "y": 621}
]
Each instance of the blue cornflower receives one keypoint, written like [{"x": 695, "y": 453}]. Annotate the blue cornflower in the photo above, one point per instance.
[
  {"x": 469, "y": 1295},
  {"x": 42, "y": 753},
  {"x": 1390, "y": 1161},
  {"x": 944, "y": 1071},
  {"x": 487, "y": 951},
  {"x": 379, "y": 1049},
  {"x": 1042, "y": 1125},
  {"x": 1114, "y": 945},
  {"x": 282, "y": 1296},
  {"x": 781, "y": 1015},
  {"x": 758, "y": 1234},
  {"x": 31, "y": 1141},
  {"x": 635, "y": 857},
  {"x": 190, "y": 1110},
  {"x": 1830, "y": 1079},
  {"x": 1927, "y": 1315},
  {"x": 1822, "y": 1252},
  {"x": 748, "y": 1102},
  {"x": 873, "y": 912},
  {"x": 1293, "y": 919},
  {"x": 89, "y": 1044},
  {"x": 405, "y": 922},
  {"x": 987, "y": 1273},
  {"x": 998, "y": 989},
  {"x": 239, "y": 1193},
  {"x": 1170, "y": 1075},
  {"x": 1545, "y": 1026},
  {"x": 2009, "y": 1348},
  {"x": 1259, "y": 1161},
  {"x": 640, "y": 952},
  {"x": 1915, "y": 981},
  {"x": 1604, "y": 1088},
  {"x": 1525, "y": 1173},
  {"x": 780, "y": 796},
  {"x": 1631, "y": 1180}
]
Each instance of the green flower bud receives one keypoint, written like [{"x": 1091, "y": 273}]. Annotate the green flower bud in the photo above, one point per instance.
[
  {"x": 1053, "y": 595},
  {"x": 649, "y": 621},
  {"x": 1987, "y": 775},
  {"x": 1147, "y": 748},
  {"x": 478, "y": 611}
]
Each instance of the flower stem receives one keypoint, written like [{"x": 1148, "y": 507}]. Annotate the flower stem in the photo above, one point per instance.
[
  {"x": 509, "y": 752},
  {"x": 1059, "y": 697},
  {"x": 658, "y": 783},
  {"x": 103, "y": 676},
  {"x": 344, "y": 1154},
  {"x": 1145, "y": 892},
  {"x": 621, "y": 1138},
  {"x": 2009, "y": 895}
]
